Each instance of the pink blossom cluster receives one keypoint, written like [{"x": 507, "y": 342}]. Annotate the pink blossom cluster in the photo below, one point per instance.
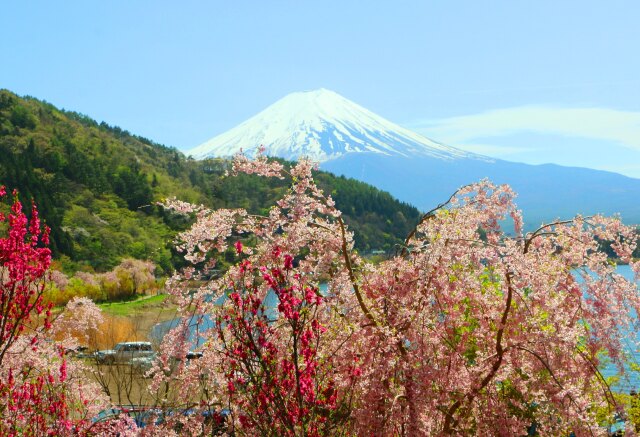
[
  {"x": 260, "y": 165},
  {"x": 290, "y": 392},
  {"x": 41, "y": 393},
  {"x": 467, "y": 330},
  {"x": 24, "y": 264}
]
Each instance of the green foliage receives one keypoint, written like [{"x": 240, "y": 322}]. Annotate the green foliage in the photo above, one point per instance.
[
  {"x": 377, "y": 219},
  {"x": 20, "y": 117},
  {"x": 132, "y": 185},
  {"x": 96, "y": 185}
]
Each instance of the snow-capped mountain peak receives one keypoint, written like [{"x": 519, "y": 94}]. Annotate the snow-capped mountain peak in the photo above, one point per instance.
[{"x": 322, "y": 125}]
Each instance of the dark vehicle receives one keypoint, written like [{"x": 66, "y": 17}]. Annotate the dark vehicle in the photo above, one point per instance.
[
  {"x": 218, "y": 420},
  {"x": 193, "y": 355},
  {"x": 78, "y": 352},
  {"x": 144, "y": 364}
]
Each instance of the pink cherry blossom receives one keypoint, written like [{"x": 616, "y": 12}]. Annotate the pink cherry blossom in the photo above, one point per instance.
[{"x": 467, "y": 330}]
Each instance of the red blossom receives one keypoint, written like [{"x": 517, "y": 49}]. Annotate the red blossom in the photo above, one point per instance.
[
  {"x": 288, "y": 262},
  {"x": 37, "y": 395}
]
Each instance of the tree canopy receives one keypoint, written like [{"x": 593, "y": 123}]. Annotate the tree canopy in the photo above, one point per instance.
[{"x": 97, "y": 185}]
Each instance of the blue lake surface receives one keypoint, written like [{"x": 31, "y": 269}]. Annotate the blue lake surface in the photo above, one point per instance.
[
  {"x": 630, "y": 380},
  {"x": 199, "y": 324}
]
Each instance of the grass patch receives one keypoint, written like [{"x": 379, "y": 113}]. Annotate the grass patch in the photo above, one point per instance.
[{"x": 133, "y": 307}]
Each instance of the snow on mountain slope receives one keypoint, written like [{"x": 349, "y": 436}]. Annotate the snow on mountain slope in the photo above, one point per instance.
[{"x": 323, "y": 125}]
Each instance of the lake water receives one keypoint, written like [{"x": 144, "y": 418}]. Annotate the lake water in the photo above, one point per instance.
[
  {"x": 198, "y": 324},
  {"x": 630, "y": 381}
]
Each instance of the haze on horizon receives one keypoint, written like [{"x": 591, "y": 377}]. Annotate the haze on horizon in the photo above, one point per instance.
[{"x": 545, "y": 82}]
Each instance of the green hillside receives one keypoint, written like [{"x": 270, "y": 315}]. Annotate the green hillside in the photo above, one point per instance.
[{"x": 95, "y": 185}]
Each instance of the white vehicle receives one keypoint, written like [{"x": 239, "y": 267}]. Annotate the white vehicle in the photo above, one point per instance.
[{"x": 125, "y": 352}]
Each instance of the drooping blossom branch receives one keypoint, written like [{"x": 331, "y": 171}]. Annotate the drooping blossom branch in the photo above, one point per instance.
[{"x": 468, "y": 330}]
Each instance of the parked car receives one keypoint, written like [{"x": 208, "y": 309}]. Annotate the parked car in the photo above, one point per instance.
[
  {"x": 124, "y": 352},
  {"x": 105, "y": 421},
  {"x": 143, "y": 416},
  {"x": 143, "y": 364}
]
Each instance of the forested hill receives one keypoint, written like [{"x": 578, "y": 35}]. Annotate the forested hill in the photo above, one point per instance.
[{"x": 95, "y": 185}]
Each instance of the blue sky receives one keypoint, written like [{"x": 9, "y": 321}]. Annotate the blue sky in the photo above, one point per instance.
[{"x": 545, "y": 81}]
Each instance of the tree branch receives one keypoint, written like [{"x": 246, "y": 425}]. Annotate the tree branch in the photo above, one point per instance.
[
  {"x": 500, "y": 350},
  {"x": 352, "y": 276},
  {"x": 427, "y": 216}
]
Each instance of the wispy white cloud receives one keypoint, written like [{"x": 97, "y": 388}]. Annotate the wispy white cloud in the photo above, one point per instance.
[{"x": 621, "y": 127}]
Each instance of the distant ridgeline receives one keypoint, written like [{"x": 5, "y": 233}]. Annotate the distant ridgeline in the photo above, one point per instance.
[{"x": 95, "y": 186}]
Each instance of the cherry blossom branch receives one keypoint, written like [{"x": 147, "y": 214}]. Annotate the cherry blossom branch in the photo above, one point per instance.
[
  {"x": 538, "y": 232},
  {"x": 427, "y": 216},
  {"x": 609, "y": 396},
  {"x": 352, "y": 276},
  {"x": 469, "y": 397}
]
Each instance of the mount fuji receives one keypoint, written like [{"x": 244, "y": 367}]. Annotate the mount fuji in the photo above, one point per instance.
[
  {"x": 349, "y": 140},
  {"x": 323, "y": 125}
]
